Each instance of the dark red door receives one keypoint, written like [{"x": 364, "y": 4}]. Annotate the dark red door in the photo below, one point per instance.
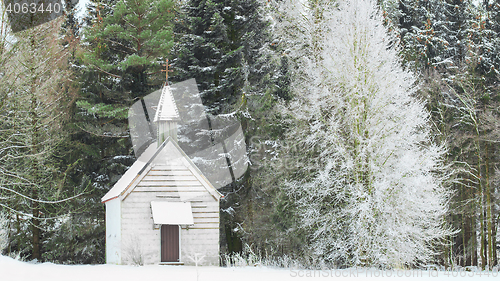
[{"x": 169, "y": 243}]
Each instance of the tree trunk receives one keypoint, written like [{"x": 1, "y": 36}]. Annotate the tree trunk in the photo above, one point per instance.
[
  {"x": 494, "y": 235},
  {"x": 9, "y": 233},
  {"x": 18, "y": 233},
  {"x": 35, "y": 168},
  {"x": 481, "y": 207},
  {"x": 36, "y": 230},
  {"x": 466, "y": 239},
  {"x": 489, "y": 216},
  {"x": 474, "y": 240},
  {"x": 484, "y": 258},
  {"x": 483, "y": 239}
]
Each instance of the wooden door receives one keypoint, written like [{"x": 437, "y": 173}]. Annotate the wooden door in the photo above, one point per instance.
[{"x": 169, "y": 243}]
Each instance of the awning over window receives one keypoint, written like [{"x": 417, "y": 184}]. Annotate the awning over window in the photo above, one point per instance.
[{"x": 172, "y": 213}]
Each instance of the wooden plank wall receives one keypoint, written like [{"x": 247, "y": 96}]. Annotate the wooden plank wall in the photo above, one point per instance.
[
  {"x": 138, "y": 235},
  {"x": 170, "y": 183},
  {"x": 203, "y": 237}
]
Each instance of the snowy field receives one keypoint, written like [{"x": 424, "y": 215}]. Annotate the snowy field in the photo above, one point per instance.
[{"x": 11, "y": 269}]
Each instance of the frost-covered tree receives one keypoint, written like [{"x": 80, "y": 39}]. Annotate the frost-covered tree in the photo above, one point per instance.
[{"x": 369, "y": 181}]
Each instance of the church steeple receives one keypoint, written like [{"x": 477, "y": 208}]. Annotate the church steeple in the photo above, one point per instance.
[{"x": 167, "y": 116}]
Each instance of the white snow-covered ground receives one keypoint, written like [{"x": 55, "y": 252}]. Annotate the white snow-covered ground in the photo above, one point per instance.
[{"x": 13, "y": 270}]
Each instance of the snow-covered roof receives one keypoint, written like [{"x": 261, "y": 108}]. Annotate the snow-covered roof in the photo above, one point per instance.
[
  {"x": 167, "y": 110},
  {"x": 130, "y": 174},
  {"x": 172, "y": 213},
  {"x": 168, "y": 151}
]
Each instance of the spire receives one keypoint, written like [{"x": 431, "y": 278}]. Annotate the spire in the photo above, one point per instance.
[{"x": 167, "y": 116}]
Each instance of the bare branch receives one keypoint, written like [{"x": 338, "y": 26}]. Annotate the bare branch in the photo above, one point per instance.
[{"x": 40, "y": 201}]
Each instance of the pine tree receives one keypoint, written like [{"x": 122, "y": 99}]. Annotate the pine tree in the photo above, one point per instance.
[
  {"x": 370, "y": 187},
  {"x": 125, "y": 44},
  {"x": 464, "y": 107},
  {"x": 422, "y": 26},
  {"x": 489, "y": 65},
  {"x": 117, "y": 61}
]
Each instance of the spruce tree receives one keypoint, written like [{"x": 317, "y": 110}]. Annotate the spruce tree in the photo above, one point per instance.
[
  {"x": 220, "y": 45},
  {"x": 126, "y": 47},
  {"x": 487, "y": 25},
  {"x": 422, "y": 27}
]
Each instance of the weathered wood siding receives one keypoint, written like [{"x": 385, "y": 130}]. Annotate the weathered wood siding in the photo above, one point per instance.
[
  {"x": 139, "y": 239},
  {"x": 170, "y": 183},
  {"x": 202, "y": 239}
]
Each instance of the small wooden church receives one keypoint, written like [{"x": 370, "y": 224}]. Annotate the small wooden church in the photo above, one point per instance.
[{"x": 163, "y": 210}]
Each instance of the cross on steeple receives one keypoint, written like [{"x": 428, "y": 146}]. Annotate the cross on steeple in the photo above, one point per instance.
[{"x": 166, "y": 70}]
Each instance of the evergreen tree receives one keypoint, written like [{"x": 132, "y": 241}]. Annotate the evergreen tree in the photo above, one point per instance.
[
  {"x": 487, "y": 27},
  {"x": 221, "y": 45},
  {"x": 422, "y": 27},
  {"x": 117, "y": 62},
  {"x": 125, "y": 45}
]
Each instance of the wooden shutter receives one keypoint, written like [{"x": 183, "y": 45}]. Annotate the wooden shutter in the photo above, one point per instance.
[{"x": 169, "y": 243}]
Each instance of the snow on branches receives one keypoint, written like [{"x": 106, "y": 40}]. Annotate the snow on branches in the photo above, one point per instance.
[{"x": 377, "y": 197}]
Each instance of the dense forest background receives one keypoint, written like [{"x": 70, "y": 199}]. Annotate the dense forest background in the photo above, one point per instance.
[{"x": 66, "y": 87}]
